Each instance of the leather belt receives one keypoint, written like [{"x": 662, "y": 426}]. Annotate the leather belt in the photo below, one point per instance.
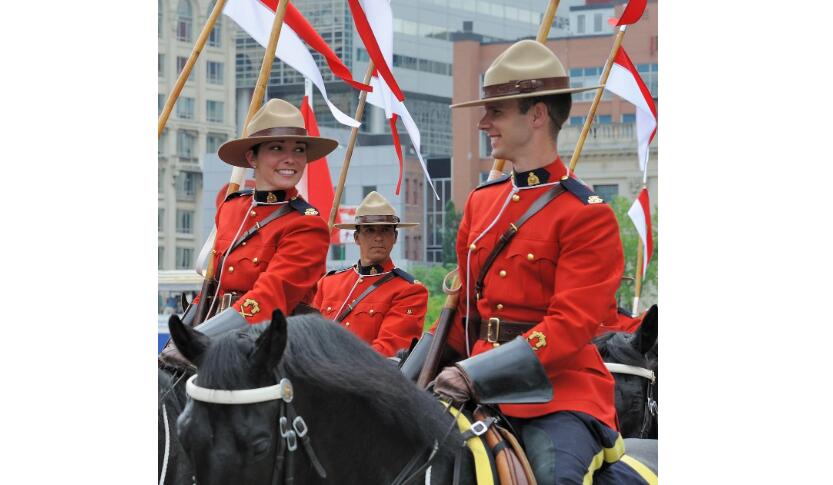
[{"x": 495, "y": 330}]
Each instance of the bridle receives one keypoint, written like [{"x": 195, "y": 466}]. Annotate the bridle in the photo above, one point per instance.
[
  {"x": 291, "y": 425},
  {"x": 650, "y": 403}
]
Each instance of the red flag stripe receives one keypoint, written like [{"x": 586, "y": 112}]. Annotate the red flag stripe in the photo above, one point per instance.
[
  {"x": 373, "y": 50},
  {"x": 398, "y": 147},
  {"x": 645, "y": 202},
  {"x": 623, "y": 60},
  {"x": 295, "y": 19},
  {"x": 319, "y": 182},
  {"x": 632, "y": 13}
]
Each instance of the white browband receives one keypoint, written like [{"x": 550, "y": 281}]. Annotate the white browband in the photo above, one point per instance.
[
  {"x": 632, "y": 370},
  {"x": 282, "y": 390}
]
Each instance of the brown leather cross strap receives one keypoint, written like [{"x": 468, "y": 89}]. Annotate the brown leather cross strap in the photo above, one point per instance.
[
  {"x": 284, "y": 209},
  {"x": 526, "y": 86},
  {"x": 513, "y": 228},
  {"x": 367, "y": 291}
]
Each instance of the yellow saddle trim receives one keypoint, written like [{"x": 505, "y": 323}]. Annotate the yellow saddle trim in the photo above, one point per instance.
[
  {"x": 482, "y": 464},
  {"x": 643, "y": 470}
]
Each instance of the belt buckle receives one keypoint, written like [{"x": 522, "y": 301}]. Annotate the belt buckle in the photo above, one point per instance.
[
  {"x": 225, "y": 302},
  {"x": 493, "y": 330}
]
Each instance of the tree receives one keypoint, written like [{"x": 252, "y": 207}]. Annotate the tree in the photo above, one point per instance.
[
  {"x": 449, "y": 233},
  {"x": 630, "y": 238}
]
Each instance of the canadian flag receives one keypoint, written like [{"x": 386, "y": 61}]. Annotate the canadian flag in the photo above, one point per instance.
[
  {"x": 640, "y": 214},
  {"x": 625, "y": 82},
  {"x": 316, "y": 186},
  {"x": 256, "y": 18},
  {"x": 380, "y": 17}
]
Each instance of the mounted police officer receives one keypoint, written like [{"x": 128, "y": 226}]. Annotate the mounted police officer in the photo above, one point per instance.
[
  {"x": 271, "y": 245},
  {"x": 380, "y": 303},
  {"x": 541, "y": 260}
]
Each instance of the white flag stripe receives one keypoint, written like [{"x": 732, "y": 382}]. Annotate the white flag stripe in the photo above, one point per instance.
[
  {"x": 637, "y": 215},
  {"x": 622, "y": 83},
  {"x": 256, "y": 19}
]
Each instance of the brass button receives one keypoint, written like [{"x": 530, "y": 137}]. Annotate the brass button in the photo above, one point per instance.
[
  {"x": 254, "y": 260},
  {"x": 252, "y": 213},
  {"x": 530, "y": 256},
  {"x": 409, "y": 311},
  {"x": 502, "y": 273},
  {"x": 417, "y": 282},
  {"x": 329, "y": 308},
  {"x": 500, "y": 306},
  {"x": 361, "y": 280},
  {"x": 231, "y": 269},
  {"x": 346, "y": 324},
  {"x": 371, "y": 311},
  {"x": 213, "y": 251},
  {"x": 495, "y": 344},
  {"x": 472, "y": 247},
  {"x": 243, "y": 243},
  {"x": 516, "y": 198}
]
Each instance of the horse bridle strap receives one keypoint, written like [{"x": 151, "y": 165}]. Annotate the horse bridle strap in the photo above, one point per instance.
[
  {"x": 631, "y": 369},
  {"x": 282, "y": 390}
]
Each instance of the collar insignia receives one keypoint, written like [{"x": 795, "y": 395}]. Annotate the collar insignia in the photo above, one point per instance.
[
  {"x": 271, "y": 198},
  {"x": 532, "y": 179},
  {"x": 373, "y": 269},
  {"x": 311, "y": 212}
]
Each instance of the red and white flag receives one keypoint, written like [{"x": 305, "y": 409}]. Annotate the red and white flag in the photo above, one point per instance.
[
  {"x": 380, "y": 18},
  {"x": 316, "y": 186},
  {"x": 256, "y": 18},
  {"x": 640, "y": 214},
  {"x": 624, "y": 81},
  {"x": 631, "y": 14}
]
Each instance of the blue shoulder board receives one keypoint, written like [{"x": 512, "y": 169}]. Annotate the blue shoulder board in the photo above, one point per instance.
[
  {"x": 404, "y": 275},
  {"x": 238, "y": 194},
  {"x": 498, "y": 180},
  {"x": 581, "y": 191},
  {"x": 303, "y": 207}
]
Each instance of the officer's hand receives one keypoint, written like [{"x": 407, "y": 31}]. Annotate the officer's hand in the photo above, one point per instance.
[
  {"x": 452, "y": 383},
  {"x": 171, "y": 357}
]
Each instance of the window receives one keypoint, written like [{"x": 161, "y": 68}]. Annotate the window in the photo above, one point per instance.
[
  {"x": 184, "y": 21},
  {"x": 214, "y": 36},
  {"x": 606, "y": 192},
  {"x": 180, "y": 64},
  {"x": 604, "y": 119},
  {"x": 186, "y": 144},
  {"x": 337, "y": 252},
  {"x": 161, "y": 220},
  {"x": 162, "y": 143},
  {"x": 597, "y": 22},
  {"x": 161, "y": 180},
  {"x": 159, "y": 25},
  {"x": 161, "y": 103},
  {"x": 628, "y": 118},
  {"x": 576, "y": 120},
  {"x": 485, "y": 145},
  {"x": 214, "y": 72},
  {"x": 185, "y": 108},
  {"x": 186, "y": 187},
  {"x": 184, "y": 221},
  {"x": 161, "y": 257},
  {"x": 214, "y": 111},
  {"x": 184, "y": 257},
  {"x": 213, "y": 142},
  {"x": 580, "y": 24},
  {"x": 366, "y": 189},
  {"x": 160, "y": 67}
]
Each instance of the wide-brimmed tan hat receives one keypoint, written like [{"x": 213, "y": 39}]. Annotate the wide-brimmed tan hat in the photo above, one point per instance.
[
  {"x": 275, "y": 120},
  {"x": 375, "y": 210},
  {"x": 526, "y": 69}
]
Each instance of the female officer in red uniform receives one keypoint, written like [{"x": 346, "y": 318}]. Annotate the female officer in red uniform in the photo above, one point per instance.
[
  {"x": 271, "y": 245},
  {"x": 380, "y": 303}
]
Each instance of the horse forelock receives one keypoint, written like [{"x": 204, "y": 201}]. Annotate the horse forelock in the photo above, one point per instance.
[
  {"x": 616, "y": 347},
  {"x": 226, "y": 364}
]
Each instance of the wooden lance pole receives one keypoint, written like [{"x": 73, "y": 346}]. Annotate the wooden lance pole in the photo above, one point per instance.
[
  {"x": 238, "y": 173},
  {"x": 543, "y": 33},
  {"x": 592, "y": 114},
  {"x": 354, "y": 133},
  {"x": 189, "y": 65}
]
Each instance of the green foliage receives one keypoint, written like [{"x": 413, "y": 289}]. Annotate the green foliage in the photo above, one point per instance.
[
  {"x": 449, "y": 231},
  {"x": 432, "y": 278},
  {"x": 630, "y": 239}
]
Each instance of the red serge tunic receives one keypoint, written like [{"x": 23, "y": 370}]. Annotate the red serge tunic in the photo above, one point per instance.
[
  {"x": 278, "y": 266},
  {"x": 561, "y": 269},
  {"x": 388, "y": 318}
]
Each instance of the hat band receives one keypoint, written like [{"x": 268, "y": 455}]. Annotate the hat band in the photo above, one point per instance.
[
  {"x": 371, "y": 219},
  {"x": 526, "y": 86},
  {"x": 287, "y": 131}
]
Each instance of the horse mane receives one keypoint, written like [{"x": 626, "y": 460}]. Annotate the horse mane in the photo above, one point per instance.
[
  {"x": 615, "y": 347},
  {"x": 321, "y": 354}
]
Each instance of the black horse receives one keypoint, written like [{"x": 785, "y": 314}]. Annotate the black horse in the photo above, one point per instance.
[
  {"x": 174, "y": 465},
  {"x": 636, "y": 394}
]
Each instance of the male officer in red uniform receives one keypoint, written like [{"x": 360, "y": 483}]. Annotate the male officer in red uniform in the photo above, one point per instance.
[
  {"x": 271, "y": 245},
  {"x": 380, "y": 303},
  {"x": 534, "y": 293}
]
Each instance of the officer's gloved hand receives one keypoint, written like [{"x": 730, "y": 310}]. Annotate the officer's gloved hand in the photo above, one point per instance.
[
  {"x": 452, "y": 383},
  {"x": 225, "y": 321},
  {"x": 171, "y": 357}
]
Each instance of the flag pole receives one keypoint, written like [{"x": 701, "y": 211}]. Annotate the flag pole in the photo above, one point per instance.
[
  {"x": 592, "y": 114},
  {"x": 189, "y": 65},
  {"x": 238, "y": 173},
  {"x": 543, "y": 33},
  {"x": 638, "y": 286},
  {"x": 354, "y": 133}
]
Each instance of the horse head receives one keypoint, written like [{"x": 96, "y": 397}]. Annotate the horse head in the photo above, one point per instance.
[{"x": 232, "y": 443}]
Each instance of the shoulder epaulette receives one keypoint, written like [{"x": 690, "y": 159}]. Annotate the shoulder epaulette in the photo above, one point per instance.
[
  {"x": 334, "y": 271},
  {"x": 303, "y": 207},
  {"x": 238, "y": 194},
  {"x": 581, "y": 191},
  {"x": 498, "y": 180},
  {"x": 404, "y": 275}
]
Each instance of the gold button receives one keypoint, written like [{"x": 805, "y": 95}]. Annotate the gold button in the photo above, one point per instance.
[
  {"x": 243, "y": 243},
  {"x": 253, "y": 213},
  {"x": 530, "y": 256},
  {"x": 346, "y": 324},
  {"x": 231, "y": 269},
  {"x": 254, "y": 260},
  {"x": 502, "y": 273},
  {"x": 417, "y": 282},
  {"x": 329, "y": 308},
  {"x": 516, "y": 197},
  {"x": 213, "y": 251},
  {"x": 371, "y": 311},
  {"x": 500, "y": 306},
  {"x": 410, "y": 312},
  {"x": 472, "y": 247},
  {"x": 495, "y": 344},
  {"x": 361, "y": 280}
]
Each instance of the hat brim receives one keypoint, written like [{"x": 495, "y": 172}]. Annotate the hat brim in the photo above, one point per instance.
[
  {"x": 478, "y": 102},
  {"x": 352, "y": 226},
  {"x": 233, "y": 152}
]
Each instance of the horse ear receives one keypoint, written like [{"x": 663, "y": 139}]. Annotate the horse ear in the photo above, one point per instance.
[
  {"x": 646, "y": 335},
  {"x": 189, "y": 342},
  {"x": 271, "y": 343}
]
